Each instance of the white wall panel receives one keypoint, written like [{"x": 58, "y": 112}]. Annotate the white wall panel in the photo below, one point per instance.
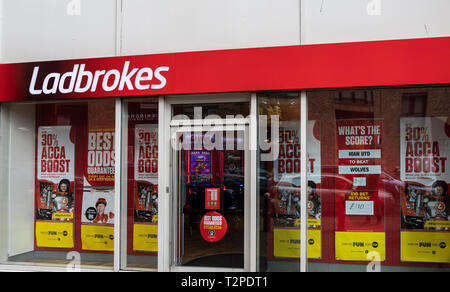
[
  {"x": 331, "y": 21},
  {"x": 34, "y": 30},
  {"x": 57, "y": 29},
  {"x": 21, "y": 179},
  {"x": 156, "y": 26}
]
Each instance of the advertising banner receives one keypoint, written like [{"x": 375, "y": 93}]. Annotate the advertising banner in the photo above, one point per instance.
[
  {"x": 97, "y": 229},
  {"x": 287, "y": 243},
  {"x": 425, "y": 202},
  {"x": 359, "y": 246},
  {"x": 100, "y": 157},
  {"x": 145, "y": 227},
  {"x": 200, "y": 162},
  {"x": 287, "y": 168},
  {"x": 212, "y": 198},
  {"x": 359, "y": 203},
  {"x": 55, "y": 197},
  {"x": 214, "y": 71},
  {"x": 97, "y": 224},
  {"x": 213, "y": 226},
  {"x": 286, "y": 192}
]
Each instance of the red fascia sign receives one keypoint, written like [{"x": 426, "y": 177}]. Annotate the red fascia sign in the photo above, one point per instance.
[{"x": 375, "y": 63}]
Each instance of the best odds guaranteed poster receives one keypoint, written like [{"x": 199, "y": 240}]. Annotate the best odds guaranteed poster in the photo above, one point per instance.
[
  {"x": 286, "y": 192},
  {"x": 55, "y": 198},
  {"x": 359, "y": 204},
  {"x": 425, "y": 201},
  {"x": 145, "y": 227},
  {"x": 97, "y": 223}
]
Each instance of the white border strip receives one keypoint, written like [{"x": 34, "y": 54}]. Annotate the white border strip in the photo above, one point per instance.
[
  {"x": 253, "y": 181},
  {"x": 304, "y": 181},
  {"x": 117, "y": 184}
]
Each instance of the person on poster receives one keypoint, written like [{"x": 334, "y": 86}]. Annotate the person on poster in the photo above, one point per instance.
[
  {"x": 314, "y": 201},
  {"x": 149, "y": 199},
  {"x": 414, "y": 197},
  {"x": 62, "y": 199},
  {"x": 102, "y": 218},
  {"x": 437, "y": 204},
  {"x": 413, "y": 214}
]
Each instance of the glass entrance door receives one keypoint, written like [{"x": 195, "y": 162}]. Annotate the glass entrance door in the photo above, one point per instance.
[{"x": 210, "y": 195}]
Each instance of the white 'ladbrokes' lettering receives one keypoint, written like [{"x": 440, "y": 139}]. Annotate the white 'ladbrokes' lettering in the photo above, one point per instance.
[{"x": 80, "y": 80}]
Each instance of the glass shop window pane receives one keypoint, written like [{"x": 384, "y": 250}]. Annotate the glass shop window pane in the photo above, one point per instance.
[
  {"x": 279, "y": 181},
  {"x": 57, "y": 178},
  {"x": 140, "y": 184},
  {"x": 383, "y": 181}
]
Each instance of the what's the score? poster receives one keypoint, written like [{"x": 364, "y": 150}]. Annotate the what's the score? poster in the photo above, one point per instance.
[{"x": 359, "y": 204}]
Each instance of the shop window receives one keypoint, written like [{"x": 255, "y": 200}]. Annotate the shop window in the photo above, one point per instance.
[
  {"x": 58, "y": 178},
  {"x": 279, "y": 181},
  {"x": 140, "y": 167},
  {"x": 384, "y": 179}
]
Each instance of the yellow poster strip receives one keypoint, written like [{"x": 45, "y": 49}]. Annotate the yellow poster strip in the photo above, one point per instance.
[
  {"x": 54, "y": 234},
  {"x": 359, "y": 246},
  {"x": 437, "y": 224},
  {"x": 286, "y": 243},
  {"x": 145, "y": 237},
  {"x": 311, "y": 222},
  {"x": 62, "y": 216},
  {"x": 98, "y": 238},
  {"x": 431, "y": 247}
]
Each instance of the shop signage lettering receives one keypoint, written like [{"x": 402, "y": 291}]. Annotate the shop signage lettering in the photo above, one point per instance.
[
  {"x": 55, "y": 153},
  {"x": 101, "y": 154},
  {"x": 288, "y": 159},
  {"x": 213, "y": 226},
  {"x": 80, "y": 80},
  {"x": 148, "y": 151},
  {"x": 423, "y": 149},
  {"x": 422, "y": 155},
  {"x": 53, "y": 157}
]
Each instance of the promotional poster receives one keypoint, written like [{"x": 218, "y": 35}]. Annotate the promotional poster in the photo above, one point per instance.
[
  {"x": 200, "y": 162},
  {"x": 213, "y": 226},
  {"x": 55, "y": 197},
  {"x": 285, "y": 200},
  {"x": 212, "y": 198},
  {"x": 97, "y": 232},
  {"x": 359, "y": 203},
  {"x": 145, "y": 228},
  {"x": 425, "y": 201},
  {"x": 97, "y": 219}
]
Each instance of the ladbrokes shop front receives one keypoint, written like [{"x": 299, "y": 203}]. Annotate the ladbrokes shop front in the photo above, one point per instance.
[{"x": 329, "y": 157}]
